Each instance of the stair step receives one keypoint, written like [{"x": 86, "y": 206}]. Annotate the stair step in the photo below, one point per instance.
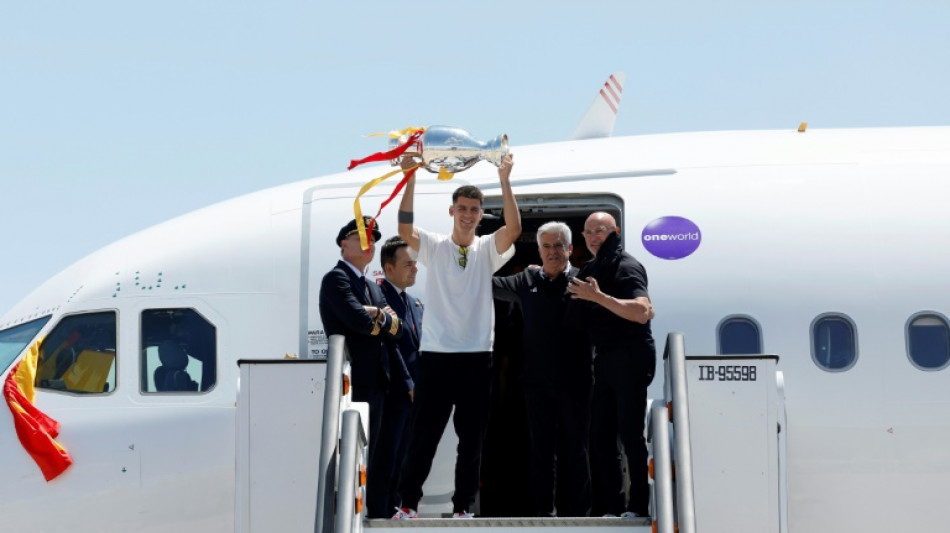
[{"x": 521, "y": 525}]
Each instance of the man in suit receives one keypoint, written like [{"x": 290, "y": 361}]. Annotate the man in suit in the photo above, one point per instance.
[
  {"x": 352, "y": 306},
  {"x": 400, "y": 268}
]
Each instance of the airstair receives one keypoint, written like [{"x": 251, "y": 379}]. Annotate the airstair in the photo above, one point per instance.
[{"x": 717, "y": 441}]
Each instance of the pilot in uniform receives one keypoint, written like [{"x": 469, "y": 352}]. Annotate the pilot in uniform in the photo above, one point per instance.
[{"x": 352, "y": 306}]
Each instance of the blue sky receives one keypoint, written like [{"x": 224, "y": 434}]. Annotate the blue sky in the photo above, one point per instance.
[{"x": 118, "y": 115}]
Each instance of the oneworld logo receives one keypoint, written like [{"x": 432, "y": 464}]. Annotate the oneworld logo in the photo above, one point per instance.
[{"x": 671, "y": 237}]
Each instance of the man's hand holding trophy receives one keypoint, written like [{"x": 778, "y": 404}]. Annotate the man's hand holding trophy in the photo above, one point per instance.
[{"x": 445, "y": 150}]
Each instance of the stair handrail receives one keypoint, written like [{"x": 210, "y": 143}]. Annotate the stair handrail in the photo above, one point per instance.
[
  {"x": 664, "y": 513},
  {"x": 332, "y": 397},
  {"x": 675, "y": 356},
  {"x": 782, "y": 417},
  {"x": 352, "y": 442}
]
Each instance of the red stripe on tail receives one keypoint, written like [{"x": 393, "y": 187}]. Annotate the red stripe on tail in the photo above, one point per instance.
[{"x": 609, "y": 101}]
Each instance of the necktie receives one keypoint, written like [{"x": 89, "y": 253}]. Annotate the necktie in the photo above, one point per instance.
[
  {"x": 408, "y": 319},
  {"x": 366, "y": 289}
]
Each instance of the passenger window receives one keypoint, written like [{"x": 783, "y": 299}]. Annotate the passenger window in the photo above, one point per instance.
[
  {"x": 79, "y": 354},
  {"x": 179, "y": 351},
  {"x": 739, "y": 335},
  {"x": 834, "y": 345},
  {"x": 928, "y": 341}
]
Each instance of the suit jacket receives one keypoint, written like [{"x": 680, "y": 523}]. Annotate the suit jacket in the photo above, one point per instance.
[
  {"x": 404, "y": 352},
  {"x": 342, "y": 298}
]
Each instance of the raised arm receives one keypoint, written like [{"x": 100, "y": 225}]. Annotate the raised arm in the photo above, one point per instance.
[
  {"x": 407, "y": 230},
  {"x": 506, "y": 235},
  {"x": 506, "y": 288}
]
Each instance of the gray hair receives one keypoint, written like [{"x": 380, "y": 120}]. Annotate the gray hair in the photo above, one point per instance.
[{"x": 554, "y": 227}]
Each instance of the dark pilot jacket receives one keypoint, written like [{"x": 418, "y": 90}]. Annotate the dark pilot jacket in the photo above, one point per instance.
[{"x": 342, "y": 297}]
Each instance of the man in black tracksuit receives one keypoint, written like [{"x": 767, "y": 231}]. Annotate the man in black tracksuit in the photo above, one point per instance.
[
  {"x": 612, "y": 302},
  {"x": 557, "y": 375}
]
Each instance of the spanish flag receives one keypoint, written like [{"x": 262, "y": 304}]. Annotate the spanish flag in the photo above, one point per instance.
[{"x": 35, "y": 430}]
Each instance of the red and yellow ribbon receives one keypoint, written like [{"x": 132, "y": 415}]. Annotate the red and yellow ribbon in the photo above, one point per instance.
[
  {"x": 395, "y": 153},
  {"x": 358, "y": 212},
  {"x": 414, "y": 134},
  {"x": 37, "y": 431},
  {"x": 390, "y": 154}
]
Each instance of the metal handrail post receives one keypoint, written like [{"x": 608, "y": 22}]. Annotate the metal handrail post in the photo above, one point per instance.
[
  {"x": 782, "y": 416},
  {"x": 332, "y": 395},
  {"x": 676, "y": 352},
  {"x": 662, "y": 470},
  {"x": 350, "y": 446}
]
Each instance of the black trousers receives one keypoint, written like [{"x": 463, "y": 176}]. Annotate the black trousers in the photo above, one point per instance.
[
  {"x": 462, "y": 380},
  {"x": 559, "y": 417},
  {"x": 392, "y": 443},
  {"x": 376, "y": 399},
  {"x": 619, "y": 410}
]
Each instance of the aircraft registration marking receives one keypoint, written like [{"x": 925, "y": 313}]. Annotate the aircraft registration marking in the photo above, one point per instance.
[{"x": 727, "y": 373}]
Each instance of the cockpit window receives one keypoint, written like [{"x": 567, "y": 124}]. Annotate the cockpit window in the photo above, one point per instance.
[
  {"x": 834, "y": 344},
  {"x": 13, "y": 340},
  {"x": 928, "y": 341},
  {"x": 179, "y": 352},
  {"x": 79, "y": 355}
]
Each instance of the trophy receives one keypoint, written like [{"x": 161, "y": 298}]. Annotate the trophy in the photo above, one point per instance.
[{"x": 452, "y": 149}]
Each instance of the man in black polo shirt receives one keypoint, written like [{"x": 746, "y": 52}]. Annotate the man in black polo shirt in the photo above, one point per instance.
[
  {"x": 557, "y": 375},
  {"x": 611, "y": 301}
]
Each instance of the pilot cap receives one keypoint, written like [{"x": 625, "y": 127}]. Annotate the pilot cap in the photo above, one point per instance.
[{"x": 350, "y": 227}]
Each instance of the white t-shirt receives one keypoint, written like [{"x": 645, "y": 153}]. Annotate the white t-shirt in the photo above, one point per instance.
[{"x": 460, "y": 316}]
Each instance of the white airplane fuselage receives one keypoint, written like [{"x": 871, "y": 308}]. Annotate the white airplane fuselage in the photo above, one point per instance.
[{"x": 792, "y": 227}]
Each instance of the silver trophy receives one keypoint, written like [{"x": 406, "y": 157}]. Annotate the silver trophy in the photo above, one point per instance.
[{"x": 453, "y": 149}]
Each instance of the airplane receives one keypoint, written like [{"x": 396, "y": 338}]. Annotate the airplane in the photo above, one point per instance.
[{"x": 828, "y": 248}]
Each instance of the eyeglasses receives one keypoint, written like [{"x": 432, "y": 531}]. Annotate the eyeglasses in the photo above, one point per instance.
[
  {"x": 463, "y": 256},
  {"x": 598, "y": 231}
]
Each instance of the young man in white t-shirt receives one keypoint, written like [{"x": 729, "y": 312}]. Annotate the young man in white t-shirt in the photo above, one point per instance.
[{"x": 455, "y": 360}]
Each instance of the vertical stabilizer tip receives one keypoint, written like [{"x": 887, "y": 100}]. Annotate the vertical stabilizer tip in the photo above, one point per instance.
[{"x": 601, "y": 115}]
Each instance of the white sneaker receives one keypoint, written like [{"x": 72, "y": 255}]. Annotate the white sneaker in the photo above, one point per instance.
[
  {"x": 630, "y": 514},
  {"x": 463, "y": 514},
  {"x": 405, "y": 513}
]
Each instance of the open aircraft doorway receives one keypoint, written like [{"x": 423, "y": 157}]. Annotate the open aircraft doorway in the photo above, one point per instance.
[{"x": 506, "y": 480}]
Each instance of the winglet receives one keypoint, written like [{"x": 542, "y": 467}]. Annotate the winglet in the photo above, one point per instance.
[{"x": 601, "y": 115}]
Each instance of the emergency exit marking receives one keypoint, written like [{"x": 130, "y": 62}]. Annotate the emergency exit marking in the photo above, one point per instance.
[{"x": 726, "y": 373}]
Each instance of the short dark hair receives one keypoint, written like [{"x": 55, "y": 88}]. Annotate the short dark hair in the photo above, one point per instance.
[
  {"x": 468, "y": 191},
  {"x": 387, "y": 255}
]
